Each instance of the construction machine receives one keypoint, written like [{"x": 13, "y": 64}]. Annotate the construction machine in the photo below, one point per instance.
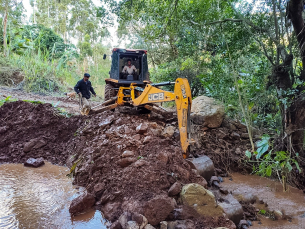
[{"x": 135, "y": 89}]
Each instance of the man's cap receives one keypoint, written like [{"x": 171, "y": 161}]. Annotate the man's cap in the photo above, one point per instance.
[{"x": 87, "y": 75}]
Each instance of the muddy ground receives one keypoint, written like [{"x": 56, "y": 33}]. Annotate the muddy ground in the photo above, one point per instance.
[{"x": 125, "y": 159}]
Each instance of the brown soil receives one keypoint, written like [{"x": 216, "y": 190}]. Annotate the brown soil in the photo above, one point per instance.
[
  {"x": 21, "y": 122},
  {"x": 139, "y": 183}
]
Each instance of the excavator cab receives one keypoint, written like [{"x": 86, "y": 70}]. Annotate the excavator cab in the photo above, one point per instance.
[{"x": 120, "y": 58}]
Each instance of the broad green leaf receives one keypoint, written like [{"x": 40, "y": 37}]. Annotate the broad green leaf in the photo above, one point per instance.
[
  {"x": 262, "y": 212},
  {"x": 263, "y": 149},
  {"x": 288, "y": 166},
  {"x": 248, "y": 154}
]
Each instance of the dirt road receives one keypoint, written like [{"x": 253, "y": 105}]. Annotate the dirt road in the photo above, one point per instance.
[{"x": 58, "y": 100}]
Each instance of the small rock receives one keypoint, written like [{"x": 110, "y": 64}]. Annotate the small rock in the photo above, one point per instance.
[
  {"x": 238, "y": 151},
  {"x": 214, "y": 181},
  {"x": 116, "y": 225},
  {"x": 81, "y": 203},
  {"x": 201, "y": 181},
  {"x": 137, "y": 137},
  {"x": 232, "y": 126},
  {"x": 220, "y": 179},
  {"x": 259, "y": 222},
  {"x": 106, "y": 122},
  {"x": 140, "y": 219},
  {"x": 3, "y": 158},
  {"x": 204, "y": 166},
  {"x": 3, "y": 129},
  {"x": 243, "y": 223},
  {"x": 124, "y": 218},
  {"x": 168, "y": 132},
  {"x": 249, "y": 222},
  {"x": 180, "y": 226},
  {"x": 156, "y": 132},
  {"x": 177, "y": 135},
  {"x": 147, "y": 139},
  {"x": 142, "y": 128},
  {"x": 139, "y": 163},
  {"x": 127, "y": 130},
  {"x": 175, "y": 189},
  {"x": 245, "y": 135},
  {"x": 31, "y": 162},
  {"x": 162, "y": 157},
  {"x": 153, "y": 124},
  {"x": 104, "y": 199},
  {"x": 235, "y": 135},
  {"x": 132, "y": 225},
  {"x": 224, "y": 191},
  {"x": 126, "y": 161},
  {"x": 232, "y": 208},
  {"x": 158, "y": 208},
  {"x": 128, "y": 153},
  {"x": 278, "y": 214},
  {"x": 99, "y": 189},
  {"x": 33, "y": 144},
  {"x": 163, "y": 225},
  {"x": 148, "y": 226}
]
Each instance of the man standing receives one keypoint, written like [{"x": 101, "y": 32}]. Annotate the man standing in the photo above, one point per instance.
[
  {"x": 129, "y": 68},
  {"x": 83, "y": 89}
]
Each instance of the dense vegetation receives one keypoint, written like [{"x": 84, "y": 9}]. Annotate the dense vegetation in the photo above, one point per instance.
[
  {"x": 43, "y": 49},
  {"x": 248, "y": 54}
]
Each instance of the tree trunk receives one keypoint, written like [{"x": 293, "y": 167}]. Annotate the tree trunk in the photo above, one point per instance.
[
  {"x": 4, "y": 32},
  {"x": 295, "y": 9},
  {"x": 296, "y": 121}
]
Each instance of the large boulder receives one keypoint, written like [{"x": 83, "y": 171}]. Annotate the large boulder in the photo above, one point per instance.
[
  {"x": 232, "y": 208},
  {"x": 207, "y": 111},
  {"x": 200, "y": 199},
  {"x": 204, "y": 165}
]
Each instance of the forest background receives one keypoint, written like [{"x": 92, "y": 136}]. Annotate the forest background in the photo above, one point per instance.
[{"x": 247, "y": 54}]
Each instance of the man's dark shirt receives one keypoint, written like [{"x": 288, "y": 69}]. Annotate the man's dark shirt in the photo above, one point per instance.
[{"x": 84, "y": 88}]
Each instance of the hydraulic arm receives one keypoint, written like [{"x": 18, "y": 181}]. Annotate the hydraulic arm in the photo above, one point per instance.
[{"x": 150, "y": 94}]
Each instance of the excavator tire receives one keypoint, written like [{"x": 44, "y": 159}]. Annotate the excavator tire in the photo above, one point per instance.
[{"x": 109, "y": 92}]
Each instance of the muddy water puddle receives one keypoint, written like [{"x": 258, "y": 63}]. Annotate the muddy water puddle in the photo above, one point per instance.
[
  {"x": 40, "y": 198},
  {"x": 270, "y": 197}
]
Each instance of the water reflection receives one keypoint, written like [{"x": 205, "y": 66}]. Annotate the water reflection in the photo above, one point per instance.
[{"x": 40, "y": 198}]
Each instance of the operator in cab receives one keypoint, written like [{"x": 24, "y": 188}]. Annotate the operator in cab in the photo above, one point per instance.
[
  {"x": 129, "y": 68},
  {"x": 83, "y": 89}
]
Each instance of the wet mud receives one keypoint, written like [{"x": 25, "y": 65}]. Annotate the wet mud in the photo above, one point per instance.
[
  {"x": 265, "y": 194},
  {"x": 39, "y": 198}
]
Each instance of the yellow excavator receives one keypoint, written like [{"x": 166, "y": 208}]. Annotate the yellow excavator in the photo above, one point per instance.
[{"x": 129, "y": 85}]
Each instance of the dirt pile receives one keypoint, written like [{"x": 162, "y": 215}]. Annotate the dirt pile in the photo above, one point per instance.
[
  {"x": 129, "y": 165},
  {"x": 129, "y": 162},
  {"x": 225, "y": 145},
  {"x": 34, "y": 130}
]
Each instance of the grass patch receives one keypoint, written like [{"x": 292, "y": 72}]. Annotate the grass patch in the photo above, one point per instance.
[{"x": 7, "y": 100}]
